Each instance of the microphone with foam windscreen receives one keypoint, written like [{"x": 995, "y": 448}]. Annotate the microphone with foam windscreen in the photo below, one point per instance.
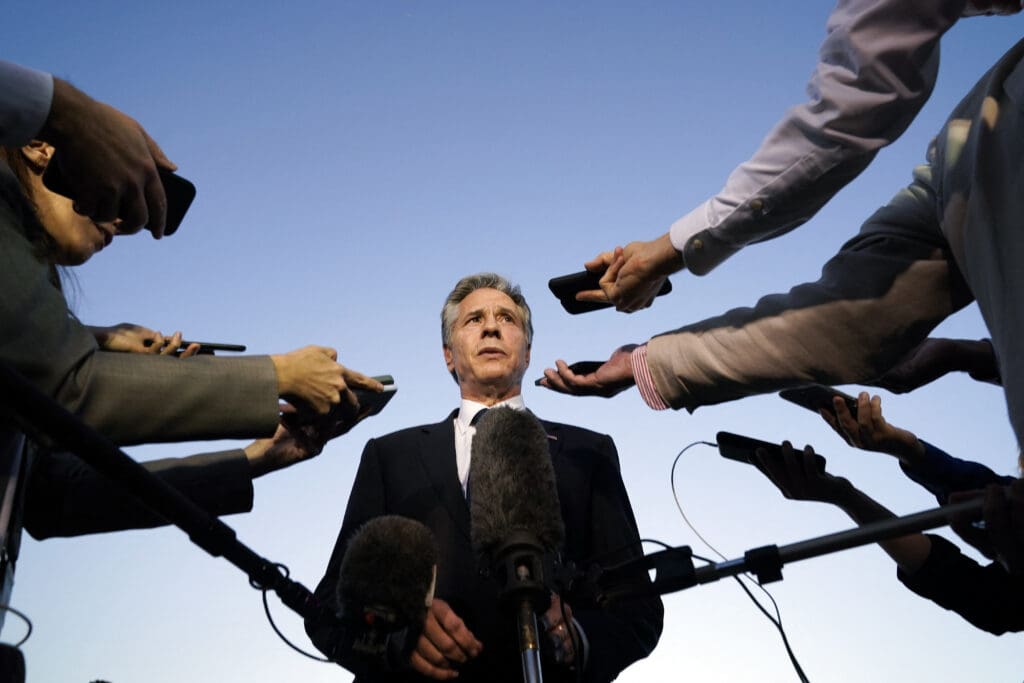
[
  {"x": 385, "y": 586},
  {"x": 515, "y": 518}
]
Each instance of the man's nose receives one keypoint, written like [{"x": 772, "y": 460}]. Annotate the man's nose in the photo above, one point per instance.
[{"x": 491, "y": 327}]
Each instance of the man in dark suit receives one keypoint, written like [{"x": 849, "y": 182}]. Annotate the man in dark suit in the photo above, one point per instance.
[{"x": 422, "y": 473}]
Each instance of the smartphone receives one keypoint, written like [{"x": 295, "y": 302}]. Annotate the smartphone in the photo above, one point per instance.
[
  {"x": 179, "y": 192},
  {"x": 566, "y": 287},
  {"x": 207, "y": 348},
  {"x": 741, "y": 448},
  {"x": 372, "y": 402},
  {"x": 814, "y": 397},
  {"x": 582, "y": 367}
]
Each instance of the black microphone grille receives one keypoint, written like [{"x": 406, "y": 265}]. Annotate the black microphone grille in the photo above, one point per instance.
[
  {"x": 390, "y": 563},
  {"x": 512, "y": 482}
]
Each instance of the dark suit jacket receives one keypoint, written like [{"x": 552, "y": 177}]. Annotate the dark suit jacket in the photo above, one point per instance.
[{"x": 413, "y": 473}]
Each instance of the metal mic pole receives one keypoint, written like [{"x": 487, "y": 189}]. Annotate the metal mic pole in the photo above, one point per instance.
[
  {"x": 38, "y": 414},
  {"x": 766, "y": 562},
  {"x": 519, "y": 566},
  {"x": 675, "y": 571}
]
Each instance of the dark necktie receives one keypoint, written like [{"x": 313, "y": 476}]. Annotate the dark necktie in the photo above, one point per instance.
[{"x": 472, "y": 423}]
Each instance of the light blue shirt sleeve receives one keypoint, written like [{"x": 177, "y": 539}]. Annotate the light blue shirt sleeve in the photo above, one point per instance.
[
  {"x": 876, "y": 68},
  {"x": 25, "y": 97}
]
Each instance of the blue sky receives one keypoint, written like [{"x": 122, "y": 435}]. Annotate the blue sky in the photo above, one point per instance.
[{"x": 353, "y": 161}]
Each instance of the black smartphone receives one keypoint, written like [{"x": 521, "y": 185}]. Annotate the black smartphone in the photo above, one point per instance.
[
  {"x": 581, "y": 367},
  {"x": 206, "y": 348},
  {"x": 179, "y": 192},
  {"x": 815, "y": 397},
  {"x": 372, "y": 402},
  {"x": 565, "y": 287},
  {"x": 741, "y": 448}
]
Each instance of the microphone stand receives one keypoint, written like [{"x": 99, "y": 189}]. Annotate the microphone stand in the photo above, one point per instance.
[
  {"x": 38, "y": 414},
  {"x": 674, "y": 570},
  {"x": 519, "y": 565}
]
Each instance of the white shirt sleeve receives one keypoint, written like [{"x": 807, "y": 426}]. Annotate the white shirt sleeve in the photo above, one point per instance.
[
  {"x": 25, "y": 97},
  {"x": 876, "y": 69}
]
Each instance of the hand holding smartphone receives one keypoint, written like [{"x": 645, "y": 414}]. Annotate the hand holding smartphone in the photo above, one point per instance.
[
  {"x": 741, "y": 448},
  {"x": 566, "y": 287},
  {"x": 178, "y": 191},
  {"x": 372, "y": 402},
  {"x": 816, "y": 397}
]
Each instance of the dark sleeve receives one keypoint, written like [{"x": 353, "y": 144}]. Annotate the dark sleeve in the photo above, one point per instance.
[
  {"x": 366, "y": 501},
  {"x": 942, "y": 474},
  {"x": 984, "y": 595},
  {"x": 627, "y": 631},
  {"x": 67, "y": 497}
]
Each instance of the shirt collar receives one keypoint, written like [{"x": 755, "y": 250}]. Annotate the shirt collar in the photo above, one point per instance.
[{"x": 468, "y": 409}]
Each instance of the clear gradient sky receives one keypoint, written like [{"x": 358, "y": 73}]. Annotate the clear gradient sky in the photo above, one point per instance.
[{"x": 353, "y": 161}]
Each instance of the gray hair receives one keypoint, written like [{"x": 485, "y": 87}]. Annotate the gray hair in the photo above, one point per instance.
[{"x": 471, "y": 283}]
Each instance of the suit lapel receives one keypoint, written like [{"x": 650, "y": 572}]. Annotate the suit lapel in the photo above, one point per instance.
[{"x": 437, "y": 453}]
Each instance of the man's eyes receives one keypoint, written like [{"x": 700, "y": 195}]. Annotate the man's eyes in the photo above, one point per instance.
[{"x": 502, "y": 317}]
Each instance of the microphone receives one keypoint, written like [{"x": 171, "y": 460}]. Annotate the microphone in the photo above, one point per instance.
[
  {"x": 515, "y": 518},
  {"x": 385, "y": 586}
]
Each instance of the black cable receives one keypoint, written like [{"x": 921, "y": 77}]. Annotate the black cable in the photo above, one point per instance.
[
  {"x": 777, "y": 619},
  {"x": 23, "y": 617},
  {"x": 266, "y": 609}
]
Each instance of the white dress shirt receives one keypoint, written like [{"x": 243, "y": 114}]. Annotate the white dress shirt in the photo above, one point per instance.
[{"x": 464, "y": 432}]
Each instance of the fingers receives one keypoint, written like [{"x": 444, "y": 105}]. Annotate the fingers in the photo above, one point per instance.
[
  {"x": 423, "y": 666},
  {"x": 848, "y": 427},
  {"x": 170, "y": 348},
  {"x": 154, "y": 343},
  {"x": 600, "y": 262},
  {"x": 191, "y": 350},
  {"x": 159, "y": 158},
  {"x": 445, "y": 643},
  {"x": 155, "y": 199},
  {"x": 358, "y": 380}
]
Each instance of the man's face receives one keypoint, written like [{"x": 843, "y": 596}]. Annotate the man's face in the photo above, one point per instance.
[{"x": 488, "y": 350}]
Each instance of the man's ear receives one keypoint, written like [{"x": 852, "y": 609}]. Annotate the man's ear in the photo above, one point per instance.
[
  {"x": 449, "y": 359},
  {"x": 37, "y": 155}
]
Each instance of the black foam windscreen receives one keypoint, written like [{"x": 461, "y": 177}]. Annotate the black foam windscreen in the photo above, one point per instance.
[
  {"x": 512, "y": 482},
  {"x": 390, "y": 563}
]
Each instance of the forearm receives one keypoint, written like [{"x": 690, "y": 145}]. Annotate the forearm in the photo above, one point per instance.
[
  {"x": 134, "y": 398},
  {"x": 876, "y": 68},
  {"x": 876, "y": 299},
  {"x": 909, "y": 552}
]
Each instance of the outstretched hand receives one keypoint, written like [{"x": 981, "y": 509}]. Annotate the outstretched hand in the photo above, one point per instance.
[
  {"x": 800, "y": 475},
  {"x": 633, "y": 276},
  {"x": 611, "y": 378},
  {"x": 131, "y": 338},
  {"x": 870, "y": 431}
]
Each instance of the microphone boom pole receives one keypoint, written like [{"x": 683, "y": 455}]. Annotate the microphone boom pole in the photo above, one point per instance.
[
  {"x": 38, "y": 414},
  {"x": 675, "y": 571}
]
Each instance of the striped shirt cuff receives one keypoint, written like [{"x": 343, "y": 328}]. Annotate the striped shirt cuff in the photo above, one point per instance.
[{"x": 644, "y": 381}]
